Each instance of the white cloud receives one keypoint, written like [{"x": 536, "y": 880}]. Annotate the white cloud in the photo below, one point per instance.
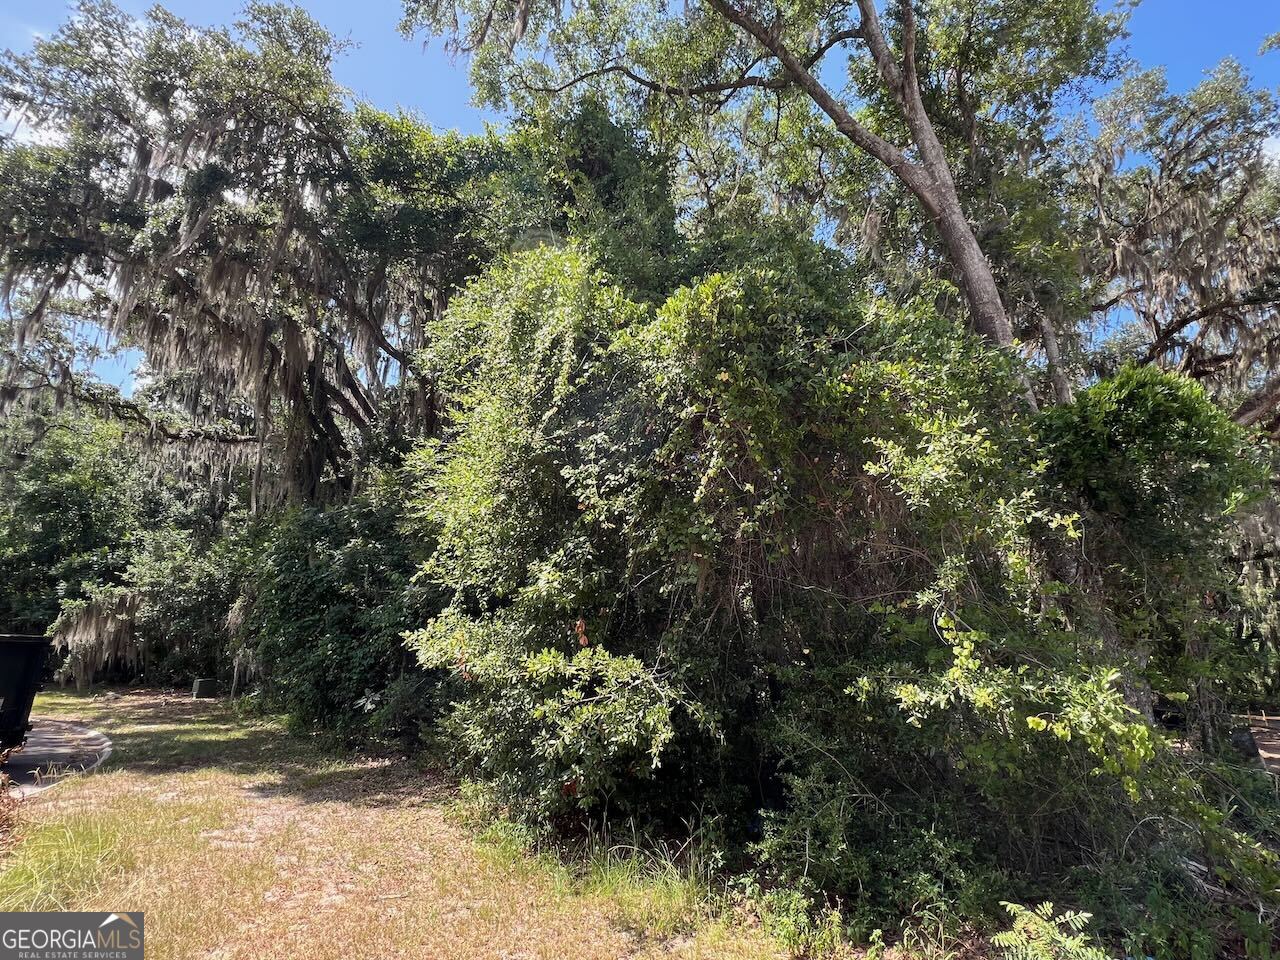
[{"x": 1271, "y": 147}]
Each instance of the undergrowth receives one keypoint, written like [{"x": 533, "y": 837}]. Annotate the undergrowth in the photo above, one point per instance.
[{"x": 653, "y": 888}]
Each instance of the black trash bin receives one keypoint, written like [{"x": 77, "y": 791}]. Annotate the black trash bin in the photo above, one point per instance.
[{"x": 21, "y": 670}]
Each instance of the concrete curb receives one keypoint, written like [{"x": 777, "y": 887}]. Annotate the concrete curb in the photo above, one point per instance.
[{"x": 56, "y": 750}]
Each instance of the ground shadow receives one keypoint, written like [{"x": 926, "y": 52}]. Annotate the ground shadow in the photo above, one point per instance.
[{"x": 164, "y": 734}]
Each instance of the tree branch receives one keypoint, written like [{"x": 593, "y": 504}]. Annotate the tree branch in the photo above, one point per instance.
[
  {"x": 1259, "y": 404},
  {"x": 126, "y": 410},
  {"x": 881, "y": 54},
  {"x": 1161, "y": 343},
  {"x": 746, "y": 81},
  {"x": 884, "y": 151}
]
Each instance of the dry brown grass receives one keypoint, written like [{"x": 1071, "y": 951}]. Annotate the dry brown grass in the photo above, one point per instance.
[{"x": 240, "y": 841}]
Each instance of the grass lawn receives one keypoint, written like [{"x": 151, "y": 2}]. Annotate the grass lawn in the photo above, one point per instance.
[{"x": 240, "y": 840}]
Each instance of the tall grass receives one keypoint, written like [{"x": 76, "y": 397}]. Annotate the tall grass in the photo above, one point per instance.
[
  {"x": 654, "y": 888},
  {"x": 651, "y": 888},
  {"x": 59, "y": 862}
]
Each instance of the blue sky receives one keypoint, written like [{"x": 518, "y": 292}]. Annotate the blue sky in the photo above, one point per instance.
[
  {"x": 385, "y": 69},
  {"x": 1186, "y": 36}
]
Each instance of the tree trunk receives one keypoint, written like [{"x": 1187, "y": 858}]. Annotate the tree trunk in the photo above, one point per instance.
[
  {"x": 971, "y": 264},
  {"x": 928, "y": 178},
  {"x": 1053, "y": 359},
  {"x": 974, "y": 270}
]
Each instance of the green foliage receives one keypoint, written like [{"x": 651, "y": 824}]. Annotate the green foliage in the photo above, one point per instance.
[
  {"x": 325, "y": 605},
  {"x": 792, "y": 916},
  {"x": 704, "y": 521},
  {"x": 552, "y": 730},
  {"x": 88, "y": 531},
  {"x": 556, "y": 724},
  {"x": 615, "y": 194},
  {"x": 185, "y": 584},
  {"x": 1159, "y": 473},
  {"x": 1038, "y": 934},
  {"x": 772, "y": 551},
  {"x": 415, "y": 200},
  {"x": 1149, "y": 453},
  {"x": 69, "y": 506},
  {"x": 775, "y": 550}
]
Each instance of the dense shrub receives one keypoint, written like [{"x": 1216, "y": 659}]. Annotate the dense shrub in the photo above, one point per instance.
[
  {"x": 782, "y": 553},
  {"x": 69, "y": 507},
  {"x": 1158, "y": 471},
  {"x": 133, "y": 567},
  {"x": 325, "y": 608},
  {"x": 1151, "y": 452},
  {"x": 185, "y": 584}
]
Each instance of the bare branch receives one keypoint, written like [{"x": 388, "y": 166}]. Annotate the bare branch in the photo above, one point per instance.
[
  {"x": 1163, "y": 341},
  {"x": 1259, "y": 404}
]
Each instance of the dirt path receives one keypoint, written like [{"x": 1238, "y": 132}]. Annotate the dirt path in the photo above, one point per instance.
[{"x": 241, "y": 842}]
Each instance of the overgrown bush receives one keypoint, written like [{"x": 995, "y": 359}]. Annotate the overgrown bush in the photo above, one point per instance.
[
  {"x": 1158, "y": 472},
  {"x": 186, "y": 584},
  {"x": 777, "y": 550},
  {"x": 162, "y": 619},
  {"x": 132, "y": 568},
  {"x": 326, "y": 606}
]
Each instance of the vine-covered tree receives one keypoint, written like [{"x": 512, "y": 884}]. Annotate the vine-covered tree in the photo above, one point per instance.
[
  {"x": 841, "y": 427},
  {"x": 945, "y": 138}
]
